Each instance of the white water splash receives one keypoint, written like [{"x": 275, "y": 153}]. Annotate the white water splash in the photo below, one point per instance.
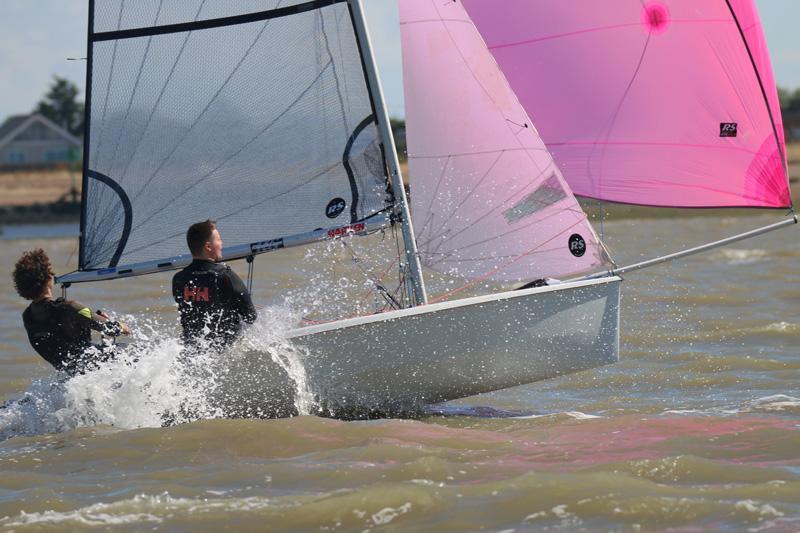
[
  {"x": 269, "y": 335},
  {"x": 740, "y": 257},
  {"x": 775, "y": 402},
  {"x": 142, "y": 510},
  {"x": 153, "y": 382}
]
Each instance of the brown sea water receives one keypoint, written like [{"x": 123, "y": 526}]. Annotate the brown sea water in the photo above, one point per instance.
[{"x": 697, "y": 427}]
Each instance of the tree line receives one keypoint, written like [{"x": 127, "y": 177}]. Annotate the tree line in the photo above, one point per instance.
[{"x": 790, "y": 100}]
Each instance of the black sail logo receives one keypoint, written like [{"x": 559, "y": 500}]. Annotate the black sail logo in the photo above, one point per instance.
[
  {"x": 335, "y": 207},
  {"x": 728, "y": 129},
  {"x": 577, "y": 246}
]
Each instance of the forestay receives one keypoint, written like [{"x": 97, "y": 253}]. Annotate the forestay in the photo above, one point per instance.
[
  {"x": 663, "y": 102},
  {"x": 254, "y": 113},
  {"x": 487, "y": 199}
]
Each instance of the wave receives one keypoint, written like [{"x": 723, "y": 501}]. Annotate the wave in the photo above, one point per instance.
[{"x": 734, "y": 256}]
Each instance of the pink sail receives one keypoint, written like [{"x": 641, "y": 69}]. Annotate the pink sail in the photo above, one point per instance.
[
  {"x": 487, "y": 199},
  {"x": 653, "y": 102}
]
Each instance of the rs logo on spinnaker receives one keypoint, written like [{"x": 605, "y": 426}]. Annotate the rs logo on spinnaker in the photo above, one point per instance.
[{"x": 577, "y": 246}]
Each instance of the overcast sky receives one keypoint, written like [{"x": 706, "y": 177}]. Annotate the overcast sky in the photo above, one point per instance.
[{"x": 37, "y": 37}]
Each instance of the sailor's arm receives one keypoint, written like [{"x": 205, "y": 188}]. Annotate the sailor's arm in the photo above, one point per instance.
[{"x": 97, "y": 321}]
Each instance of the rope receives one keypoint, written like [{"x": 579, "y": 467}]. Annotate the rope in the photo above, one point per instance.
[
  {"x": 250, "y": 261},
  {"x": 378, "y": 285}
]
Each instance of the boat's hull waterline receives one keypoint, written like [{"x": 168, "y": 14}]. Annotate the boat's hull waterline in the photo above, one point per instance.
[{"x": 397, "y": 361}]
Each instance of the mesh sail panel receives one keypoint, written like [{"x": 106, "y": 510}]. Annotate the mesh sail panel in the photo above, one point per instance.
[{"x": 259, "y": 118}]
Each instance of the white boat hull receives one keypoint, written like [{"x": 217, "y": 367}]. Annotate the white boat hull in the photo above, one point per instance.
[{"x": 461, "y": 348}]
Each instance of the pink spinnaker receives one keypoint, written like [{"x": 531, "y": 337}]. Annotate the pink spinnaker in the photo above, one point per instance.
[
  {"x": 652, "y": 102},
  {"x": 487, "y": 199}
]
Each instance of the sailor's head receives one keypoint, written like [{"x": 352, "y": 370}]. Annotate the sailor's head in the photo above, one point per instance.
[
  {"x": 33, "y": 275},
  {"x": 204, "y": 241}
]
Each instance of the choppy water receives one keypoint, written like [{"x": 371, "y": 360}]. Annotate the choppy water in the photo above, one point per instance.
[{"x": 695, "y": 428}]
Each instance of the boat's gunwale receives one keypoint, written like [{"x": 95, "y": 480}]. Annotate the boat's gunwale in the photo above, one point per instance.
[{"x": 441, "y": 306}]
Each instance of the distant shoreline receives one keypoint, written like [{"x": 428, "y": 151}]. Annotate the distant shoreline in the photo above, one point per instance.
[
  {"x": 40, "y": 213},
  {"x": 50, "y": 197}
]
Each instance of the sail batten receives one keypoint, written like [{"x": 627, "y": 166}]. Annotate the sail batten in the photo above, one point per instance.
[
  {"x": 256, "y": 114},
  {"x": 277, "y": 12}
]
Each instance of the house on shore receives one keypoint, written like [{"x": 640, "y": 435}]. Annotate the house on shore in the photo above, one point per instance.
[
  {"x": 791, "y": 125},
  {"x": 34, "y": 141}
]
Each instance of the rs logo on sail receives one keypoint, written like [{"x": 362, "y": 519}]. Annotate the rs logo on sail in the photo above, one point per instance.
[{"x": 577, "y": 245}]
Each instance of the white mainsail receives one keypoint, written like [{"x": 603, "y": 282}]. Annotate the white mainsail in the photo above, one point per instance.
[
  {"x": 257, "y": 114},
  {"x": 487, "y": 199}
]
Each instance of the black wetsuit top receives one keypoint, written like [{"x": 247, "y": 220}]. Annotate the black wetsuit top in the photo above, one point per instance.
[
  {"x": 213, "y": 302},
  {"x": 60, "y": 331}
]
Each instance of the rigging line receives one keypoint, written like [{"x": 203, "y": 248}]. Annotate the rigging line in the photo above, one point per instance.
[
  {"x": 245, "y": 208},
  {"x": 433, "y": 197},
  {"x": 380, "y": 278},
  {"x": 615, "y": 115},
  {"x": 598, "y": 29},
  {"x": 482, "y": 152},
  {"x": 659, "y": 145},
  {"x": 534, "y": 251},
  {"x": 469, "y": 194},
  {"x": 702, "y": 188},
  {"x": 503, "y": 204},
  {"x": 486, "y": 91},
  {"x": 205, "y": 109},
  {"x": 495, "y": 270},
  {"x": 250, "y": 270},
  {"x": 387, "y": 269},
  {"x": 241, "y": 149},
  {"x": 464, "y": 59},
  {"x": 341, "y": 14},
  {"x": 401, "y": 278},
  {"x": 160, "y": 96},
  {"x": 375, "y": 282},
  {"x": 733, "y": 85},
  {"x": 431, "y": 214},
  {"x": 763, "y": 91},
  {"x": 530, "y": 223},
  {"x": 519, "y": 228},
  {"x": 133, "y": 90},
  {"x": 321, "y": 18},
  {"x": 100, "y": 135}
]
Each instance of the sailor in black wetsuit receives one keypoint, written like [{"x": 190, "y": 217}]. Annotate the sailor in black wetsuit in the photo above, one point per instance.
[
  {"x": 59, "y": 330},
  {"x": 212, "y": 300}
]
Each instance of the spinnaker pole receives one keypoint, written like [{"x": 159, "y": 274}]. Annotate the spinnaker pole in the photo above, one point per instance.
[
  {"x": 696, "y": 250},
  {"x": 401, "y": 202}
]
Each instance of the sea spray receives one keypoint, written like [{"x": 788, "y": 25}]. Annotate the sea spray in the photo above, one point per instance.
[
  {"x": 269, "y": 335},
  {"x": 153, "y": 381}
]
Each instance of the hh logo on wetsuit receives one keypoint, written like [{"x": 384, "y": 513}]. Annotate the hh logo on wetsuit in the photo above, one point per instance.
[{"x": 195, "y": 294}]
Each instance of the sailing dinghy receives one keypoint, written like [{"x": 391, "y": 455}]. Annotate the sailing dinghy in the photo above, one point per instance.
[{"x": 268, "y": 116}]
